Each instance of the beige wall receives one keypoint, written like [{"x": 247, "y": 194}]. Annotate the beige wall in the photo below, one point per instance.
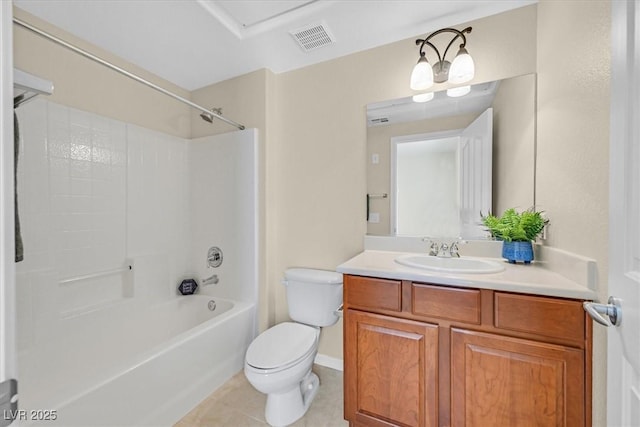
[
  {"x": 242, "y": 99},
  {"x": 574, "y": 39},
  {"x": 514, "y": 146},
  {"x": 84, "y": 84}
]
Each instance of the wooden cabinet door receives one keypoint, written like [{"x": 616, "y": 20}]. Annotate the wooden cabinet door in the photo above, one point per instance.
[
  {"x": 390, "y": 371},
  {"x": 502, "y": 381}
]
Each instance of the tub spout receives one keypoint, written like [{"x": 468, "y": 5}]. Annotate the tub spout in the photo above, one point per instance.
[{"x": 210, "y": 280}]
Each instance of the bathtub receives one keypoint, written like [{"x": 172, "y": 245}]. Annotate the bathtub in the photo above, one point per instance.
[{"x": 149, "y": 367}]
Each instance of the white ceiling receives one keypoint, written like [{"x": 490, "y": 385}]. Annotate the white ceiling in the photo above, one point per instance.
[{"x": 195, "y": 43}]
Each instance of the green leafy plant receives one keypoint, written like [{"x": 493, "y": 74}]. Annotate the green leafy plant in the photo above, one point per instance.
[{"x": 515, "y": 227}]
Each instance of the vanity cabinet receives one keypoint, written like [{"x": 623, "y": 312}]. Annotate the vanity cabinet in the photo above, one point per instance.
[
  {"x": 396, "y": 370},
  {"x": 419, "y": 354}
]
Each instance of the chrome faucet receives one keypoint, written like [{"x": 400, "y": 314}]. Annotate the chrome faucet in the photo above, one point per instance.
[
  {"x": 210, "y": 280},
  {"x": 443, "y": 250}
]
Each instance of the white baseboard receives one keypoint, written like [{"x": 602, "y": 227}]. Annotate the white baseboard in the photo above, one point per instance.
[{"x": 329, "y": 362}]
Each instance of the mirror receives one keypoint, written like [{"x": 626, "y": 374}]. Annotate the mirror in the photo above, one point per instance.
[
  {"x": 512, "y": 102},
  {"x": 441, "y": 181}
]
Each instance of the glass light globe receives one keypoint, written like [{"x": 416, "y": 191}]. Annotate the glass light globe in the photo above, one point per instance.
[
  {"x": 462, "y": 68},
  {"x": 423, "y": 97},
  {"x": 458, "y": 91},
  {"x": 422, "y": 75}
]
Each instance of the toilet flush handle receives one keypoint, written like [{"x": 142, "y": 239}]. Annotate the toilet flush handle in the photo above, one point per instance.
[
  {"x": 285, "y": 282},
  {"x": 338, "y": 311}
]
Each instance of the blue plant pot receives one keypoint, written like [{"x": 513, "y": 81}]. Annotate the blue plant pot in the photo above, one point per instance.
[{"x": 517, "y": 251}]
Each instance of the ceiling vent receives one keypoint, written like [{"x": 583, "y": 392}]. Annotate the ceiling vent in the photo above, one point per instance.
[{"x": 312, "y": 36}]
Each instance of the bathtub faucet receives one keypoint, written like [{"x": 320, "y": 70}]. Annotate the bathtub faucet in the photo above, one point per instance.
[{"x": 209, "y": 280}]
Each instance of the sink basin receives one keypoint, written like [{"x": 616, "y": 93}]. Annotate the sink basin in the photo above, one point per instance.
[{"x": 450, "y": 265}]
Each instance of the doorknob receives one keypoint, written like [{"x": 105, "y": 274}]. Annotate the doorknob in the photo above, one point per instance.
[{"x": 612, "y": 311}]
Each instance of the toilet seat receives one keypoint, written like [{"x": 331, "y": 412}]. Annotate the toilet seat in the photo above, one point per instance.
[{"x": 282, "y": 346}]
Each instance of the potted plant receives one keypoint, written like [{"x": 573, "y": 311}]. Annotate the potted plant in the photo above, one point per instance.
[{"x": 517, "y": 231}]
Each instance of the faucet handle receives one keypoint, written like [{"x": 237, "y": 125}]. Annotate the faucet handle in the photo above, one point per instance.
[
  {"x": 434, "y": 249},
  {"x": 453, "y": 250},
  {"x": 214, "y": 257},
  {"x": 433, "y": 246}
]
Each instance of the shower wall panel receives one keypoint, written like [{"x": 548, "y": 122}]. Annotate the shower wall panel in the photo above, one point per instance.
[
  {"x": 72, "y": 188},
  {"x": 158, "y": 215},
  {"x": 223, "y": 188},
  {"x": 95, "y": 196}
]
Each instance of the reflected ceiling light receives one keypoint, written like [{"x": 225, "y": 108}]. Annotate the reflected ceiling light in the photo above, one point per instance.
[
  {"x": 461, "y": 70},
  {"x": 423, "y": 97},
  {"x": 455, "y": 92}
]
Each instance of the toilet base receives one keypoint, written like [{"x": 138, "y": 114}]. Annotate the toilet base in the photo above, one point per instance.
[{"x": 286, "y": 408}]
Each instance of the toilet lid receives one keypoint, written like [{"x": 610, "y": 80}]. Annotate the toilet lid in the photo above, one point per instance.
[{"x": 281, "y": 345}]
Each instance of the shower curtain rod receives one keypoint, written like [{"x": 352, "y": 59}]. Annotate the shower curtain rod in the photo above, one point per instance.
[{"x": 122, "y": 71}]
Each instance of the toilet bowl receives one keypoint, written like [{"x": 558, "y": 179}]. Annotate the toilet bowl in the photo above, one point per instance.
[{"x": 278, "y": 362}]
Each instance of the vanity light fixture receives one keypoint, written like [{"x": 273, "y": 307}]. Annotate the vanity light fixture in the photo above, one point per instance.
[{"x": 460, "y": 70}]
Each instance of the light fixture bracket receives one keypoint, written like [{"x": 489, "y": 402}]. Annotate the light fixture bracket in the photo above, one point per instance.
[{"x": 441, "y": 71}]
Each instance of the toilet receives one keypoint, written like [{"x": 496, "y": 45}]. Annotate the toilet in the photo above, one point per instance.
[{"x": 278, "y": 362}]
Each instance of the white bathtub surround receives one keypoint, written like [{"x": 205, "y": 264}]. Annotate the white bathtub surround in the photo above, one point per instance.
[
  {"x": 223, "y": 187},
  {"x": 158, "y": 216},
  {"x": 173, "y": 369},
  {"x": 98, "y": 196},
  {"x": 72, "y": 196}
]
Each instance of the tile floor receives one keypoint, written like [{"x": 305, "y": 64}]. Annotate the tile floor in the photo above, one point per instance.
[{"x": 238, "y": 404}]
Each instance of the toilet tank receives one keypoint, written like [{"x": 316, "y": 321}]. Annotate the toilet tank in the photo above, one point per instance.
[{"x": 313, "y": 295}]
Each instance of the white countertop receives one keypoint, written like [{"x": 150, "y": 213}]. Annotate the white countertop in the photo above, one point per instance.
[{"x": 531, "y": 278}]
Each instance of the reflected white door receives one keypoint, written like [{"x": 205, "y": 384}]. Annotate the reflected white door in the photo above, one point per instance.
[
  {"x": 441, "y": 181},
  {"x": 476, "y": 142},
  {"x": 623, "y": 373}
]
